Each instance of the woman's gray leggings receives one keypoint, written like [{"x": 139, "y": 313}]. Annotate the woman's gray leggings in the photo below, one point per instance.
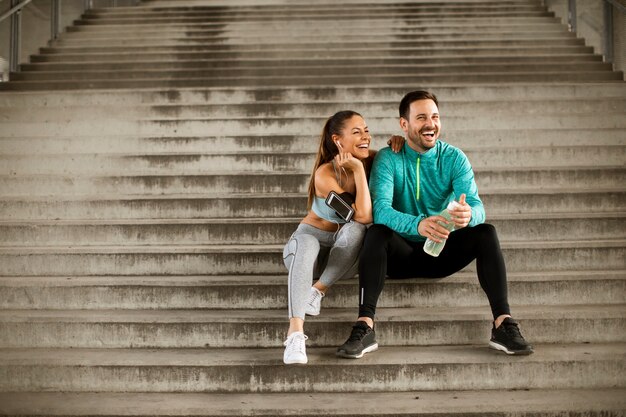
[{"x": 313, "y": 253}]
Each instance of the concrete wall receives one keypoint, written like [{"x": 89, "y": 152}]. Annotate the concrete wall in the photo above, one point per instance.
[{"x": 590, "y": 26}]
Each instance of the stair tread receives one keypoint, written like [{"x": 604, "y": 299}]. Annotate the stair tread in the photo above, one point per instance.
[
  {"x": 239, "y": 94},
  {"x": 281, "y": 280},
  {"x": 265, "y": 248},
  {"x": 311, "y": 404},
  {"x": 384, "y": 315},
  {"x": 615, "y": 214},
  {"x": 290, "y": 173},
  {"x": 273, "y": 195},
  {"x": 318, "y": 357}
]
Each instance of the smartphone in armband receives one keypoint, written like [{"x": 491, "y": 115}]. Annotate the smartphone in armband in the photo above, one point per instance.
[{"x": 341, "y": 207}]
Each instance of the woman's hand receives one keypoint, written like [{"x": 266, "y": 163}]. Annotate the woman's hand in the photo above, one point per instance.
[
  {"x": 347, "y": 161},
  {"x": 396, "y": 143}
]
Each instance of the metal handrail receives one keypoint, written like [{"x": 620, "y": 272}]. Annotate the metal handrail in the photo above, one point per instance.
[
  {"x": 14, "y": 9},
  {"x": 619, "y": 6},
  {"x": 607, "y": 36},
  {"x": 16, "y": 27}
]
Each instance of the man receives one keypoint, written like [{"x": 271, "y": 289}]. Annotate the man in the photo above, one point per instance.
[{"x": 409, "y": 190}]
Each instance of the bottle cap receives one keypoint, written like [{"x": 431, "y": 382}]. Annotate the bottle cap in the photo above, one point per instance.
[{"x": 452, "y": 205}]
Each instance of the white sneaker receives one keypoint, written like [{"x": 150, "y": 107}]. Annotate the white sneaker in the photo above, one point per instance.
[
  {"x": 314, "y": 304},
  {"x": 295, "y": 351}
]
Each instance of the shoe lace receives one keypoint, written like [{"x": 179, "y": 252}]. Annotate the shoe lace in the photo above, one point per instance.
[
  {"x": 296, "y": 344},
  {"x": 358, "y": 333},
  {"x": 512, "y": 330},
  {"x": 314, "y": 296}
]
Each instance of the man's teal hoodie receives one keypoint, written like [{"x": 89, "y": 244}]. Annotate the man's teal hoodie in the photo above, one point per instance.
[{"x": 407, "y": 187}]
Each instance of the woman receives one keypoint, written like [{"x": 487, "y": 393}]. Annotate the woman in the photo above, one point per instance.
[{"x": 325, "y": 246}]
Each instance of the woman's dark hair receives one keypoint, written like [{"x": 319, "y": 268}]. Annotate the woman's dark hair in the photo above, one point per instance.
[
  {"x": 328, "y": 148},
  {"x": 409, "y": 98}
]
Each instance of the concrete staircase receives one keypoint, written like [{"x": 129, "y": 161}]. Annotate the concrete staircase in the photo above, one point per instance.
[{"x": 154, "y": 160}]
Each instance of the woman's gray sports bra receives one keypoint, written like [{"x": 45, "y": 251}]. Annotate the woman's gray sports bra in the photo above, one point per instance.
[{"x": 320, "y": 208}]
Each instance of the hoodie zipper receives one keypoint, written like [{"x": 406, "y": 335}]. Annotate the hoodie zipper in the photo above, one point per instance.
[{"x": 417, "y": 180}]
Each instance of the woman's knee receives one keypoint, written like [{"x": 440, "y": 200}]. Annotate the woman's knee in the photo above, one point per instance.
[
  {"x": 351, "y": 234},
  {"x": 300, "y": 244}
]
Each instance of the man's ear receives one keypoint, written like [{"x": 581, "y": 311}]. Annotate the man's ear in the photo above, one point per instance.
[{"x": 404, "y": 124}]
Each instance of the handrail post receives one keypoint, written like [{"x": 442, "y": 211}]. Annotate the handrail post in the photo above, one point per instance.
[
  {"x": 571, "y": 15},
  {"x": 607, "y": 38},
  {"x": 15, "y": 42},
  {"x": 55, "y": 16}
]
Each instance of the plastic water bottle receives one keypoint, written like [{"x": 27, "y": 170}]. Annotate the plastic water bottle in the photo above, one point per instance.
[{"x": 434, "y": 248}]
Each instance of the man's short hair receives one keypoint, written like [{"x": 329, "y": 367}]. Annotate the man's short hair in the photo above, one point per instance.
[{"x": 409, "y": 98}]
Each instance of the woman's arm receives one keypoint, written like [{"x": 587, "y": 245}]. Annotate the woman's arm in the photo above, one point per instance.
[{"x": 325, "y": 182}]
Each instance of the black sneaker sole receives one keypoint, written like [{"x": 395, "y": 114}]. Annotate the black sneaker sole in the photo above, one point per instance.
[
  {"x": 501, "y": 347},
  {"x": 370, "y": 348}
]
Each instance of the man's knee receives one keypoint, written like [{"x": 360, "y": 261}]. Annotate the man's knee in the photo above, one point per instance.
[
  {"x": 378, "y": 233},
  {"x": 486, "y": 231},
  {"x": 486, "y": 235}
]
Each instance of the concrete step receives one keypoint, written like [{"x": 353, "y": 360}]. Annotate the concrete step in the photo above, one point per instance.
[
  {"x": 331, "y": 9},
  {"x": 270, "y": 292},
  {"x": 276, "y": 205},
  {"x": 525, "y": 179},
  {"x": 273, "y": 231},
  {"x": 315, "y": 40},
  {"x": 221, "y": 37},
  {"x": 51, "y": 55},
  {"x": 147, "y": 164},
  {"x": 286, "y": 47},
  {"x": 306, "y": 71},
  {"x": 252, "y": 29},
  {"x": 608, "y": 402},
  {"x": 262, "y": 126},
  {"x": 264, "y": 63},
  {"x": 408, "y": 327},
  {"x": 559, "y": 108},
  {"x": 248, "y": 29},
  {"x": 303, "y": 94},
  {"x": 519, "y": 77},
  {"x": 551, "y": 255},
  {"x": 96, "y": 143},
  {"x": 389, "y": 370},
  {"x": 473, "y": 17},
  {"x": 337, "y": 71}
]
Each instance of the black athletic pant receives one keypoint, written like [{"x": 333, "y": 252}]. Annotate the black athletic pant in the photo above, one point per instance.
[{"x": 385, "y": 252}]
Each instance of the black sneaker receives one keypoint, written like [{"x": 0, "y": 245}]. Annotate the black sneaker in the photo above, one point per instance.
[
  {"x": 362, "y": 340},
  {"x": 508, "y": 338}
]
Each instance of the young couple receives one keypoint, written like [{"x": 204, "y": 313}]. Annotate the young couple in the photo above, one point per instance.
[{"x": 410, "y": 184}]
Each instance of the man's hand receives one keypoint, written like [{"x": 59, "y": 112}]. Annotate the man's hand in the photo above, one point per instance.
[
  {"x": 431, "y": 229},
  {"x": 461, "y": 214}
]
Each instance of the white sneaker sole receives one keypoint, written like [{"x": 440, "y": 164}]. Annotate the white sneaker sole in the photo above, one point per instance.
[
  {"x": 368, "y": 349},
  {"x": 295, "y": 361},
  {"x": 498, "y": 346}
]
